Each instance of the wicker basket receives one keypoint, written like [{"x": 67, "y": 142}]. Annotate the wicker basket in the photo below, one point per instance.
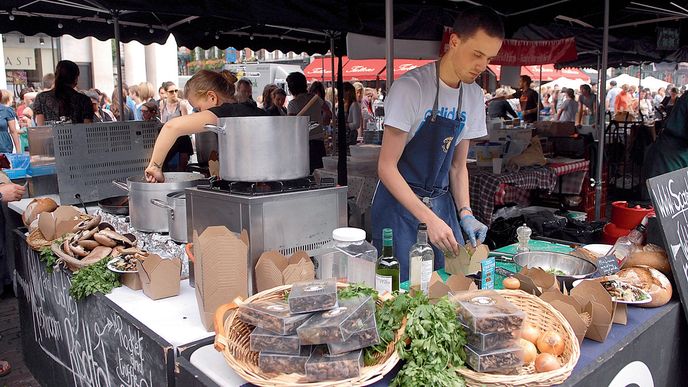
[
  {"x": 543, "y": 316},
  {"x": 232, "y": 339},
  {"x": 36, "y": 240}
]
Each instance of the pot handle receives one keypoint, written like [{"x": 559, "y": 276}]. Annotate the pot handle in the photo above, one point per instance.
[
  {"x": 161, "y": 204},
  {"x": 215, "y": 129},
  {"x": 121, "y": 185}
]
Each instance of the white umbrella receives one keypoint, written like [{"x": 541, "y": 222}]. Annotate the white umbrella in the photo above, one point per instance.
[
  {"x": 566, "y": 82},
  {"x": 653, "y": 83},
  {"x": 624, "y": 79}
]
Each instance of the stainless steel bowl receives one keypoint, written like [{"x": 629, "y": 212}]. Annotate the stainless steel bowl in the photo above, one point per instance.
[{"x": 573, "y": 267}]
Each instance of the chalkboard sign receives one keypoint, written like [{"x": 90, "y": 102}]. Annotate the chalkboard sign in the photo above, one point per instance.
[
  {"x": 669, "y": 193},
  {"x": 91, "y": 342},
  {"x": 607, "y": 265}
]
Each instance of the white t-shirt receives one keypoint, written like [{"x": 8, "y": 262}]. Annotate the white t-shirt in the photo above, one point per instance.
[{"x": 411, "y": 98}]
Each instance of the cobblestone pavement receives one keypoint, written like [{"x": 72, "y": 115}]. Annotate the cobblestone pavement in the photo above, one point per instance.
[{"x": 10, "y": 345}]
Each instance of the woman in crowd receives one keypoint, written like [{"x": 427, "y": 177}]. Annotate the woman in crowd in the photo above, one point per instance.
[
  {"x": 212, "y": 94},
  {"x": 318, "y": 89},
  {"x": 569, "y": 109},
  {"x": 9, "y": 134},
  {"x": 499, "y": 107},
  {"x": 668, "y": 102},
  {"x": 63, "y": 103},
  {"x": 352, "y": 112},
  {"x": 114, "y": 106},
  {"x": 267, "y": 96},
  {"x": 278, "y": 98}
]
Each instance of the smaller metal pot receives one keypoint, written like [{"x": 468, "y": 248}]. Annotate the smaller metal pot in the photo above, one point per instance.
[{"x": 176, "y": 214}]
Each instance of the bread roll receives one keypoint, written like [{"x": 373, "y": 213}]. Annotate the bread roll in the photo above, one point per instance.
[
  {"x": 651, "y": 255},
  {"x": 37, "y": 206},
  {"x": 651, "y": 280}
]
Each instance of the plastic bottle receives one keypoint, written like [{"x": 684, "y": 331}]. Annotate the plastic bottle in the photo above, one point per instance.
[
  {"x": 422, "y": 258},
  {"x": 625, "y": 245},
  {"x": 348, "y": 258}
]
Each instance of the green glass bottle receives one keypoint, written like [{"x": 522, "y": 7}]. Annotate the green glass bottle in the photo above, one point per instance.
[{"x": 387, "y": 272}]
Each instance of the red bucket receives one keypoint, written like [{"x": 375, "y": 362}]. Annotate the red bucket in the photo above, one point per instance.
[{"x": 628, "y": 217}]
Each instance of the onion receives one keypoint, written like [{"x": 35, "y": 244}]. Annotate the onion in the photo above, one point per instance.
[
  {"x": 529, "y": 351},
  {"x": 545, "y": 362},
  {"x": 551, "y": 342},
  {"x": 530, "y": 333},
  {"x": 511, "y": 283}
]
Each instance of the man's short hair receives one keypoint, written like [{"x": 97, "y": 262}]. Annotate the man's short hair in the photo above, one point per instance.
[
  {"x": 468, "y": 22},
  {"x": 613, "y": 83},
  {"x": 586, "y": 87},
  {"x": 297, "y": 83},
  {"x": 527, "y": 79},
  {"x": 243, "y": 81}
]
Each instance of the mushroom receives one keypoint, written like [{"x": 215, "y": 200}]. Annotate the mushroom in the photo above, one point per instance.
[
  {"x": 57, "y": 249},
  {"x": 78, "y": 250},
  {"x": 141, "y": 256},
  {"x": 116, "y": 236},
  {"x": 88, "y": 234},
  {"x": 97, "y": 254},
  {"x": 104, "y": 240},
  {"x": 117, "y": 251},
  {"x": 105, "y": 226},
  {"x": 66, "y": 249},
  {"x": 88, "y": 224},
  {"x": 130, "y": 251},
  {"x": 88, "y": 244}
]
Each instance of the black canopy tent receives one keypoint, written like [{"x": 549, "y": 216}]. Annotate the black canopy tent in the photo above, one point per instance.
[{"x": 312, "y": 26}]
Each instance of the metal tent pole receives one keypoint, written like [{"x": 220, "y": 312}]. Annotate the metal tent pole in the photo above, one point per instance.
[
  {"x": 118, "y": 63},
  {"x": 540, "y": 96},
  {"x": 602, "y": 91},
  {"x": 342, "y": 145},
  {"x": 389, "y": 37}
]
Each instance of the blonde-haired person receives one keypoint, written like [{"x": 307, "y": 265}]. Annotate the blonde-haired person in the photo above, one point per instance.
[
  {"x": 212, "y": 94},
  {"x": 9, "y": 133}
]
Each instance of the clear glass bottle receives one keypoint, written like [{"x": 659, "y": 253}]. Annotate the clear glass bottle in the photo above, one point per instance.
[
  {"x": 387, "y": 272},
  {"x": 624, "y": 245},
  {"x": 348, "y": 258},
  {"x": 523, "y": 234},
  {"x": 422, "y": 258}
]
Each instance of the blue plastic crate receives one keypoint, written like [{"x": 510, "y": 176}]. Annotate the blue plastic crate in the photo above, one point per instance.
[
  {"x": 15, "y": 173},
  {"x": 41, "y": 170}
]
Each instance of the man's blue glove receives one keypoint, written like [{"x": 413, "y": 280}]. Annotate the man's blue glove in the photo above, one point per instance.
[{"x": 475, "y": 230}]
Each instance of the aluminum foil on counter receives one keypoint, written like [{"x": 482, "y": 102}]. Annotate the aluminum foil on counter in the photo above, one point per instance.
[{"x": 153, "y": 242}]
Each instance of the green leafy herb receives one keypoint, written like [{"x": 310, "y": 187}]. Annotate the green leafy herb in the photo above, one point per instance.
[
  {"x": 436, "y": 347},
  {"x": 389, "y": 318},
  {"x": 92, "y": 279},
  {"x": 356, "y": 290},
  {"x": 48, "y": 257}
]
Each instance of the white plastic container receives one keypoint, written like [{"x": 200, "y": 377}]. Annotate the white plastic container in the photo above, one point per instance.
[{"x": 348, "y": 258}]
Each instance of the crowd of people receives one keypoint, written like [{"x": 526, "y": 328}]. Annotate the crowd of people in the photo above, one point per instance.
[{"x": 623, "y": 103}]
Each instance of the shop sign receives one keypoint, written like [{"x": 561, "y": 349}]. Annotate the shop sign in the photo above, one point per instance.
[{"x": 20, "y": 58}]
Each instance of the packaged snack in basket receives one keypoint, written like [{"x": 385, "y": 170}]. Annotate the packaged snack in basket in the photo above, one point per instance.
[
  {"x": 313, "y": 296},
  {"x": 499, "y": 360},
  {"x": 322, "y": 366},
  {"x": 491, "y": 341},
  {"x": 283, "y": 363},
  {"x": 272, "y": 315},
  {"x": 263, "y": 340},
  {"x": 485, "y": 311},
  {"x": 365, "y": 337},
  {"x": 338, "y": 324}
]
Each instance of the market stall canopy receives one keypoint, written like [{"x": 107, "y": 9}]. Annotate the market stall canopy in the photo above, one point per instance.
[
  {"x": 624, "y": 79},
  {"x": 401, "y": 66},
  {"x": 320, "y": 69},
  {"x": 653, "y": 83},
  {"x": 363, "y": 69},
  {"x": 535, "y": 52},
  {"x": 565, "y": 82},
  {"x": 497, "y": 71}
]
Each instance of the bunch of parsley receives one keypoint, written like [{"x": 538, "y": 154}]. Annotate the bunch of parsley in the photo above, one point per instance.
[
  {"x": 436, "y": 347},
  {"x": 48, "y": 258},
  {"x": 92, "y": 279}
]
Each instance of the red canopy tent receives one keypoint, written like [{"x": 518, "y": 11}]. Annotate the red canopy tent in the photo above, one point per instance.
[
  {"x": 401, "y": 66},
  {"x": 549, "y": 73},
  {"x": 321, "y": 68},
  {"x": 363, "y": 70}
]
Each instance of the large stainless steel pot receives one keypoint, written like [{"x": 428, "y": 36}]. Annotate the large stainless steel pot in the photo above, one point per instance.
[
  {"x": 145, "y": 216},
  {"x": 262, "y": 148},
  {"x": 205, "y": 143},
  {"x": 176, "y": 214}
]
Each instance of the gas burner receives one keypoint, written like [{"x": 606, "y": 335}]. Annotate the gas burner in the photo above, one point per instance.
[{"x": 260, "y": 188}]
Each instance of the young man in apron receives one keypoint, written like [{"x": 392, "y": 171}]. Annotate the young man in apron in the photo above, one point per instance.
[{"x": 431, "y": 113}]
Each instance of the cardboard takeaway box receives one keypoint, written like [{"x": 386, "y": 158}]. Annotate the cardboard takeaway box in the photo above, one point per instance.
[
  {"x": 131, "y": 280},
  {"x": 274, "y": 269},
  {"x": 455, "y": 283},
  {"x": 220, "y": 269},
  {"x": 160, "y": 277},
  {"x": 468, "y": 260}
]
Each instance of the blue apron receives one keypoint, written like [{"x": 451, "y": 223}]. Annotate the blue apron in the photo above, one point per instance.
[{"x": 424, "y": 165}]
